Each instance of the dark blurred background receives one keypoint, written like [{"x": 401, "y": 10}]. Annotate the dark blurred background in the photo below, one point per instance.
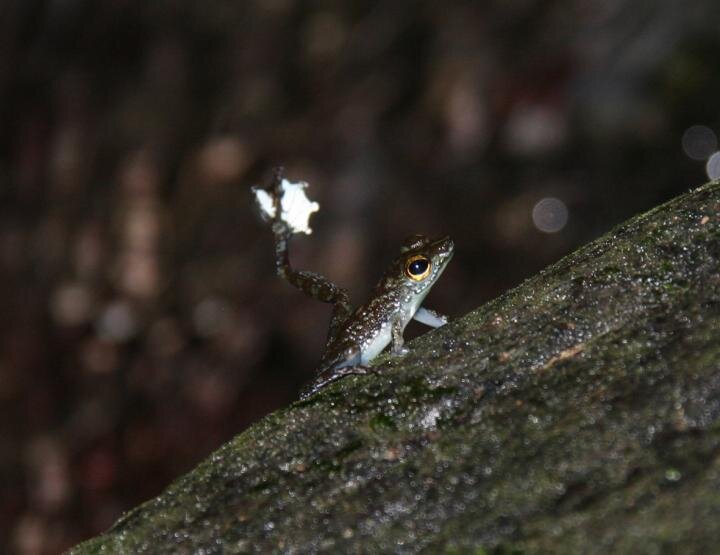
[{"x": 143, "y": 325}]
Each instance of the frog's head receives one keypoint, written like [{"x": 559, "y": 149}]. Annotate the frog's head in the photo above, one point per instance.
[{"x": 421, "y": 262}]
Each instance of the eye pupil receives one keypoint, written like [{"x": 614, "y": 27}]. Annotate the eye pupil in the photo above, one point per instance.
[{"x": 418, "y": 267}]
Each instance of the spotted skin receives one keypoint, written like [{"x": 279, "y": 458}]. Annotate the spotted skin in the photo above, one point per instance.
[{"x": 382, "y": 320}]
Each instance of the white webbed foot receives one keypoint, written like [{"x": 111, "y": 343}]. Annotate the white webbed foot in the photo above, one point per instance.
[{"x": 430, "y": 317}]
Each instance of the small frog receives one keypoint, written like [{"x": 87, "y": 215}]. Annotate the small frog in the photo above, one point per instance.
[
  {"x": 396, "y": 300},
  {"x": 357, "y": 336}
]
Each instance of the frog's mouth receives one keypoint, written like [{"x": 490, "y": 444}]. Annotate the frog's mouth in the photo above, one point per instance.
[
  {"x": 444, "y": 247},
  {"x": 443, "y": 264}
]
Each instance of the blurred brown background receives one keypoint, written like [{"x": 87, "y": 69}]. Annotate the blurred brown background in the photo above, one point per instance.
[{"x": 142, "y": 322}]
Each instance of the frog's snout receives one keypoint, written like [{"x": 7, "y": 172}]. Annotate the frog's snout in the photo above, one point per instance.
[{"x": 445, "y": 246}]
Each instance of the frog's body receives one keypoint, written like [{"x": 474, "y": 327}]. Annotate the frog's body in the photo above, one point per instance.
[
  {"x": 358, "y": 336},
  {"x": 381, "y": 321}
]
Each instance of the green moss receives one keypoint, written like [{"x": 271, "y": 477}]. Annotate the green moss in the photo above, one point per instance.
[{"x": 381, "y": 423}]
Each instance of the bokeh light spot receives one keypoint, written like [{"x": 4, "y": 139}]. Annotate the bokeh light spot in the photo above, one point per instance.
[
  {"x": 71, "y": 304},
  {"x": 550, "y": 215},
  {"x": 699, "y": 142},
  {"x": 211, "y": 316},
  {"x": 117, "y": 322},
  {"x": 224, "y": 159},
  {"x": 713, "y": 166}
]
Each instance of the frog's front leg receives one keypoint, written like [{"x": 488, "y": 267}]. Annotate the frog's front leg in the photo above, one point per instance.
[
  {"x": 398, "y": 342},
  {"x": 430, "y": 317}
]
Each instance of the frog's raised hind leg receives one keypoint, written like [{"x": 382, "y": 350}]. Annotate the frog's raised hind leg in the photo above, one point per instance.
[{"x": 315, "y": 285}]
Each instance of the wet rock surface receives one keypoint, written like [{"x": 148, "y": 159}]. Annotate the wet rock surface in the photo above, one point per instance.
[{"x": 579, "y": 412}]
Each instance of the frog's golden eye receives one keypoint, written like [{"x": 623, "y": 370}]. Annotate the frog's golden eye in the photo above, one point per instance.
[{"x": 417, "y": 267}]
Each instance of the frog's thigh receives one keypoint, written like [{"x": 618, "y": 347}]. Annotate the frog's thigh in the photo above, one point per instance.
[
  {"x": 330, "y": 375},
  {"x": 352, "y": 357}
]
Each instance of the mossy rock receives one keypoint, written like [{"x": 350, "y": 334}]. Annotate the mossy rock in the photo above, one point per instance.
[{"x": 578, "y": 413}]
